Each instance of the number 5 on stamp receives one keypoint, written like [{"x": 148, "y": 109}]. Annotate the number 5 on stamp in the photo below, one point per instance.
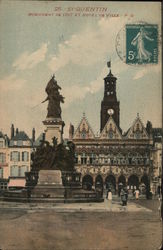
[{"x": 141, "y": 44}]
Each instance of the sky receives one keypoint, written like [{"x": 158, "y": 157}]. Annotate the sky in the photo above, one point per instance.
[{"x": 76, "y": 49}]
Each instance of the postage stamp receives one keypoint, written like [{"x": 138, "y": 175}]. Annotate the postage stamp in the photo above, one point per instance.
[
  {"x": 141, "y": 44},
  {"x": 137, "y": 44}
]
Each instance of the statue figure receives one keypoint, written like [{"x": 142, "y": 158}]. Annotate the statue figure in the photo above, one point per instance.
[
  {"x": 54, "y": 98},
  {"x": 56, "y": 157}
]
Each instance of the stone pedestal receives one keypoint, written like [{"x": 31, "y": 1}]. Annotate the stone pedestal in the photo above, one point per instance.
[
  {"x": 54, "y": 128},
  {"x": 49, "y": 185}
]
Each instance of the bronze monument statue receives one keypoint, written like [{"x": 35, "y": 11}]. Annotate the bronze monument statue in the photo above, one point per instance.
[
  {"x": 53, "y": 157},
  {"x": 54, "y": 98},
  {"x": 58, "y": 155}
]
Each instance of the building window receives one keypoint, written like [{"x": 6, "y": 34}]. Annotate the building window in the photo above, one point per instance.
[
  {"x": 2, "y": 157},
  {"x": 1, "y": 144},
  {"x": 91, "y": 158},
  {"x": 83, "y": 159},
  {"x": 18, "y": 171},
  {"x": 15, "y": 156},
  {"x": 115, "y": 162},
  {"x": 25, "y": 156},
  {"x": 3, "y": 185},
  {"x": 14, "y": 171},
  {"x": 1, "y": 172},
  {"x": 22, "y": 170}
]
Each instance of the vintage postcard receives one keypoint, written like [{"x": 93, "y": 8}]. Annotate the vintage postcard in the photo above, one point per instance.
[{"x": 81, "y": 125}]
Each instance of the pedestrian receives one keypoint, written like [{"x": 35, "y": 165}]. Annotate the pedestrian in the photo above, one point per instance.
[
  {"x": 123, "y": 197},
  {"x": 109, "y": 195},
  {"x": 133, "y": 192},
  {"x": 137, "y": 194},
  {"x": 126, "y": 194}
]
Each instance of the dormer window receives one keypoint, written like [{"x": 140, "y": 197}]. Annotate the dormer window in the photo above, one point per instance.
[
  {"x": 137, "y": 134},
  {"x": 20, "y": 143},
  {"x": 83, "y": 134},
  {"x": 110, "y": 134}
]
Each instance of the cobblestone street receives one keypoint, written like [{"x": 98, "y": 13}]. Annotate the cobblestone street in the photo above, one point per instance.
[{"x": 80, "y": 226}]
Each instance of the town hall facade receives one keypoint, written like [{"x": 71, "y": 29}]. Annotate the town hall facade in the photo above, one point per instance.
[{"x": 114, "y": 158}]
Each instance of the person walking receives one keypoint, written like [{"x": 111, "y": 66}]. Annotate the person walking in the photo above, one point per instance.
[
  {"x": 137, "y": 194},
  {"x": 109, "y": 195},
  {"x": 126, "y": 195},
  {"x": 123, "y": 197}
]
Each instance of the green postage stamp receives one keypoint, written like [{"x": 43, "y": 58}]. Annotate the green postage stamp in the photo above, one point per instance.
[{"x": 141, "y": 44}]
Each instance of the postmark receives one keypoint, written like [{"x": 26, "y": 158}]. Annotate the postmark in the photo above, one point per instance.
[{"x": 137, "y": 44}]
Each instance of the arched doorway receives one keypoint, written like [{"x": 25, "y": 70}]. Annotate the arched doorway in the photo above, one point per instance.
[
  {"x": 122, "y": 180},
  {"x": 110, "y": 182},
  {"x": 99, "y": 185},
  {"x": 87, "y": 182},
  {"x": 98, "y": 181},
  {"x": 133, "y": 182},
  {"x": 144, "y": 185},
  {"x": 121, "y": 183}
]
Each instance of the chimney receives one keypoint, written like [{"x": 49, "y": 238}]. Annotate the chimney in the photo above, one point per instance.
[
  {"x": 149, "y": 127},
  {"x": 17, "y": 131},
  {"x": 12, "y": 131},
  {"x": 33, "y": 134}
]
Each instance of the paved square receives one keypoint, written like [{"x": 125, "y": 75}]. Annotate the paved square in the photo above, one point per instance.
[{"x": 96, "y": 226}]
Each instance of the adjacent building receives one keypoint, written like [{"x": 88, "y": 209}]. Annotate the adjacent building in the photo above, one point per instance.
[
  {"x": 4, "y": 161},
  {"x": 15, "y": 158}
]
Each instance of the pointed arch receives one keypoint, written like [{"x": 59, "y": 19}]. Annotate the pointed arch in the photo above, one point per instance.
[
  {"x": 98, "y": 181},
  {"x": 87, "y": 182},
  {"x": 110, "y": 182},
  {"x": 122, "y": 180},
  {"x": 133, "y": 181}
]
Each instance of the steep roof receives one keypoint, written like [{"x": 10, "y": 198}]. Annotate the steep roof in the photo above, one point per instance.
[
  {"x": 84, "y": 130},
  {"x": 111, "y": 130},
  {"x": 38, "y": 140},
  {"x": 21, "y": 136},
  {"x": 137, "y": 130}
]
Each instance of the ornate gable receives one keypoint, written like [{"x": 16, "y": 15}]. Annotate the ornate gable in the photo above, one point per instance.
[
  {"x": 137, "y": 130},
  {"x": 110, "y": 131},
  {"x": 84, "y": 130}
]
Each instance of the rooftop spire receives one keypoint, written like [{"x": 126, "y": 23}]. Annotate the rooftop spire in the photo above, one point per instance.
[{"x": 109, "y": 64}]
